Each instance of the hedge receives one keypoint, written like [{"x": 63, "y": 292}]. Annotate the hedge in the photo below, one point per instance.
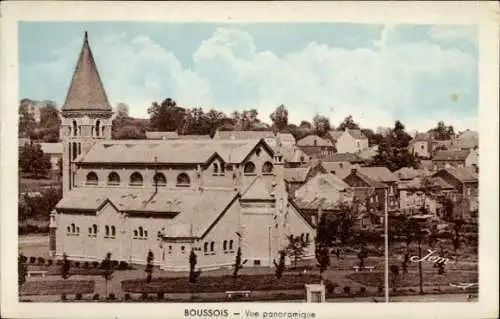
[{"x": 57, "y": 287}]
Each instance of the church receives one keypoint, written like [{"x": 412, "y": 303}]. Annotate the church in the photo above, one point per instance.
[{"x": 126, "y": 197}]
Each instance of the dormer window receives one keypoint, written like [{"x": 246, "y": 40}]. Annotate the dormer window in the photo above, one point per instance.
[
  {"x": 92, "y": 179},
  {"x": 249, "y": 169},
  {"x": 136, "y": 179},
  {"x": 267, "y": 168},
  {"x": 183, "y": 180}
]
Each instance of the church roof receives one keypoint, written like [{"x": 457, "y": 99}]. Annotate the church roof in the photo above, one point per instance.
[
  {"x": 169, "y": 151},
  {"x": 86, "y": 92},
  {"x": 258, "y": 190},
  {"x": 185, "y": 212}
]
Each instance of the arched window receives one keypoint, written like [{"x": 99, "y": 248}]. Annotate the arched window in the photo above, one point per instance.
[
  {"x": 73, "y": 229},
  {"x": 135, "y": 232},
  {"x": 302, "y": 236},
  {"x": 224, "y": 245},
  {"x": 75, "y": 128},
  {"x": 92, "y": 179},
  {"x": 183, "y": 249},
  {"x": 136, "y": 179},
  {"x": 106, "y": 230},
  {"x": 307, "y": 237},
  {"x": 183, "y": 179},
  {"x": 94, "y": 228},
  {"x": 231, "y": 244},
  {"x": 102, "y": 130},
  {"x": 97, "y": 128},
  {"x": 78, "y": 230},
  {"x": 68, "y": 229},
  {"x": 113, "y": 179},
  {"x": 113, "y": 231},
  {"x": 216, "y": 168},
  {"x": 249, "y": 168},
  {"x": 160, "y": 179},
  {"x": 267, "y": 168},
  {"x": 212, "y": 246},
  {"x": 141, "y": 232},
  {"x": 145, "y": 233},
  {"x": 74, "y": 151},
  {"x": 90, "y": 231},
  {"x": 205, "y": 247}
]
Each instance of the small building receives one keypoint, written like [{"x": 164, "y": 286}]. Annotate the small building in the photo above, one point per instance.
[
  {"x": 55, "y": 151},
  {"x": 421, "y": 145},
  {"x": 413, "y": 197},
  {"x": 455, "y": 158},
  {"x": 464, "y": 181},
  {"x": 315, "y": 146},
  {"x": 349, "y": 141}
]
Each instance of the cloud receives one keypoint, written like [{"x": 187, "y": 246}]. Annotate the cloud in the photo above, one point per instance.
[
  {"x": 454, "y": 33},
  {"x": 388, "y": 80}
]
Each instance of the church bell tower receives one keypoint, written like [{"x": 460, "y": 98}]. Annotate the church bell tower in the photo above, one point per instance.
[{"x": 86, "y": 115}]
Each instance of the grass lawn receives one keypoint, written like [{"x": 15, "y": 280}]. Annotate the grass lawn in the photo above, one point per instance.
[
  {"x": 36, "y": 185},
  {"x": 57, "y": 287},
  {"x": 219, "y": 284},
  {"x": 412, "y": 279}
]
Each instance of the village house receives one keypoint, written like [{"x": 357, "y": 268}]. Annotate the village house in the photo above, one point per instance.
[
  {"x": 421, "y": 145},
  {"x": 169, "y": 196},
  {"x": 455, "y": 158},
  {"x": 349, "y": 141},
  {"x": 465, "y": 184},
  {"x": 295, "y": 157},
  {"x": 315, "y": 146},
  {"x": 341, "y": 164},
  {"x": 296, "y": 177},
  {"x": 467, "y": 140},
  {"x": 55, "y": 152}
]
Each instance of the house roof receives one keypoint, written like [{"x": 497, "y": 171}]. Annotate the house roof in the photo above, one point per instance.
[
  {"x": 324, "y": 191},
  {"x": 451, "y": 155},
  {"x": 365, "y": 178},
  {"x": 357, "y": 134},
  {"x": 242, "y": 135},
  {"x": 336, "y": 169},
  {"x": 294, "y": 155},
  {"x": 314, "y": 140},
  {"x": 298, "y": 174},
  {"x": 417, "y": 183},
  {"x": 378, "y": 173},
  {"x": 406, "y": 173},
  {"x": 463, "y": 174},
  {"x": 421, "y": 137},
  {"x": 334, "y": 135},
  {"x": 52, "y": 148},
  {"x": 368, "y": 153},
  {"x": 86, "y": 91},
  {"x": 342, "y": 157},
  {"x": 169, "y": 151},
  {"x": 189, "y": 210}
]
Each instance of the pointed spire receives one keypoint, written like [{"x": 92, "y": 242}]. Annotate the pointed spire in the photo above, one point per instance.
[{"x": 86, "y": 92}]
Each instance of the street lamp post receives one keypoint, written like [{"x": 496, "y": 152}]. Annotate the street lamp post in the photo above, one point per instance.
[{"x": 386, "y": 239}]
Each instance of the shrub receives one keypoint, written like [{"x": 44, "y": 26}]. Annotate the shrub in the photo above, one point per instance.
[
  {"x": 380, "y": 289},
  {"x": 144, "y": 296},
  {"x": 111, "y": 296},
  {"x": 115, "y": 263},
  {"x": 63, "y": 297},
  {"x": 50, "y": 262},
  {"x": 347, "y": 289},
  {"x": 32, "y": 260},
  {"x": 127, "y": 297},
  {"x": 95, "y": 264},
  {"x": 59, "y": 262},
  {"x": 362, "y": 290},
  {"x": 412, "y": 290},
  {"x": 77, "y": 264},
  {"x": 123, "y": 265},
  {"x": 95, "y": 297},
  {"x": 41, "y": 261},
  {"x": 86, "y": 264},
  {"x": 78, "y": 296},
  {"x": 160, "y": 295}
]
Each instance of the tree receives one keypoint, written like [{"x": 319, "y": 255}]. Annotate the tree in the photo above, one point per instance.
[
  {"x": 22, "y": 269},
  {"x": 166, "y": 116},
  {"x": 280, "y": 118},
  {"x": 193, "y": 275},
  {"x": 325, "y": 236},
  {"x": 129, "y": 132},
  {"x": 50, "y": 123},
  {"x": 457, "y": 235},
  {"x": 348, "y": 123},
  {"x": 442, "y": 132},
  {"x": 323, "y": 258},
  {"x": 362, "y": 255},
  {"x": 122, "y": 110},
  {"x": 321, "y": 125},
  {"x": 27, "y": 124},
  {"x": 395, "y": 273},
  {"x": 238, "y": 264},
  {"x": 373, "y": 138},
  {"x": 107, "y": 266},
  {"x": 33, "y": 160},
  {"x": 149, "y": 266},
  {"x": 296, "y": 248},
  {"x": 280, "y": 266},
  {"x": 212, "y": 120},
  {"x": 342, "y": 226},
  {"x": 65, "y": 267}
]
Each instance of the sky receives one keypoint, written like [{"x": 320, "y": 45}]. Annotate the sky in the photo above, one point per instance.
[{"x": 418, "y": 74}]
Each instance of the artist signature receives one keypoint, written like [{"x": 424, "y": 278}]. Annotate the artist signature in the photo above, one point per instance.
[{"x": 432, "y": 258}]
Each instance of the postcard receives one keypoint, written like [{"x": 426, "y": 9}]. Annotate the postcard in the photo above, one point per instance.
[{"x": 249, "y": 160}]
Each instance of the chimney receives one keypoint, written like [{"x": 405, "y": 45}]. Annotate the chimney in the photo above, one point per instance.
[
  {"x": 353, "y": 170},
  {"x": 333, "y": 172}
]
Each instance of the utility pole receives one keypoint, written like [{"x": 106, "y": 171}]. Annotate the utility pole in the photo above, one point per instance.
[{"x": 386, "y": 239}]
